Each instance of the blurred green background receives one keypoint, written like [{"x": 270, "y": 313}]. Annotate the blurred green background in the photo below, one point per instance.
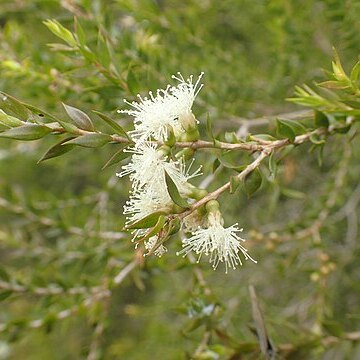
[{"x": 53, "y": 215}]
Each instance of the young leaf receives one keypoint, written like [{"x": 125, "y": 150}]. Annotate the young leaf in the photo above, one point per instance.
[
  {"x": 174, "y": 192},
  {"x": 90, "y": 140},
  {"x": 152, "y": 232},
  {"x": 80, "y": 119},
  {"x": 118, "y": 129},
  {"x": 354, "y": 76},
  {"x": 9, "y": 121},
  {"x": 26, "y": 132},
  {"x": 147, "y": 222},
  {"x": 116, "y": 158},
  {"x": 283, "y": 130},
  {"x": 57, "y": 150},
  {"x": 60, "y": 31}
]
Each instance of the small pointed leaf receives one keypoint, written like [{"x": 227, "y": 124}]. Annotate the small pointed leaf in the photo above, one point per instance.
[
  {"x": 80, "y": 119},
  {"x": 174, "y": 192},
  {"x": 90, "y": 140},
  {"x": 57, "y": 150},
  {"x": 146, "y": 222},
  {"x": 116, "y": 158},
  {"x": 26, "y": 132},
  {"x": 118, "y": 129}
]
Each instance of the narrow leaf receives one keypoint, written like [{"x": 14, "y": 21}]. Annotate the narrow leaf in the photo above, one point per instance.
[
  {"x": 116, "y": 158},
  {"x": 60, "y": 31},
  {"x": 118, "y": 129},
  {"x": 79, "y": 118},
  {"x": 13, "y": 106},
  {"x": 152, "y": 232},
  {"x": 146, "y": 222},
  {"x": 174, "y": 192},
  {"x": 57, "y": 150},
  {"x": 9, "y": 120},
  {"x": 26, "y": 132},
  {"x": 90, "y": 140}
]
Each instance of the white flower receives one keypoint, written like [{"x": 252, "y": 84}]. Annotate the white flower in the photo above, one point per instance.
[
  {"x": 145, "y": 202},
  {"x": 221, "y": 244},
  {"x": 148, "y": 166},
  {"x": 169, "y": 107},
  {"x": 149, "y": 245},
  {"x": 185, "y": 94}
]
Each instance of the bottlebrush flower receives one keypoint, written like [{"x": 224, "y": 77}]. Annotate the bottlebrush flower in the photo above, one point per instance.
[
  {"x": 149, "y": 245},
  {"x": 221, "y": 244},
  {"x": 148, "y": 166},
  {"x": 145, "y": 202},
  {"x": 169, "y": 107}
]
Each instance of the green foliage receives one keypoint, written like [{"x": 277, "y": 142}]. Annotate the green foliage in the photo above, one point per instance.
[{"x": 71, "y": 283}]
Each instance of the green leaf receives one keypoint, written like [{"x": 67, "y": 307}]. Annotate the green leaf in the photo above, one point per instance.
[
  {"x": 227, "y": 160},
  {"x": 90, "y": 140},
  {"x": 117, "y": 157},
  {"x": 231, "y": 137},
  {"x": 296, "y": 126},
  {"x": 132, "y": 82},
  {"x": 293, "y": 194},
  {"x": 26, "y": 132},
  {"x": 79, "y": 31},
  {"x": 283, "y": 130},
  {"x": 174, "y": 192},
  {"x": 70, "y": 128},
  {"x": 118, "y": 129},
  {"x": 321, "y": 119},
  {"x": 147, "y": 222},
  {"x": 158, "y": 226},
  {"x": 80, "y": 119},
  {"x": 57, "y": 150},
  {"x": 103, "y": 51},
  {"x": 265, "y": 137},
  {"x": 252, "y": 182},
  {"x": 4, "y": 294},
  {"x": 13, "y": 106},
  {"x": 316, "y": 139},
  {"x": 272, "y": 165},
  {"x": 234, "y": 184},
  {"x": 9, "y": 120},
  {"x": 60, "y": 31},
  {"x": 354, "y": 76}
]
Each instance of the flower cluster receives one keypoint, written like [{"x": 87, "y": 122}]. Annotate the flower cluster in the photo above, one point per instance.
[{"x": 156, "y": 119}]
